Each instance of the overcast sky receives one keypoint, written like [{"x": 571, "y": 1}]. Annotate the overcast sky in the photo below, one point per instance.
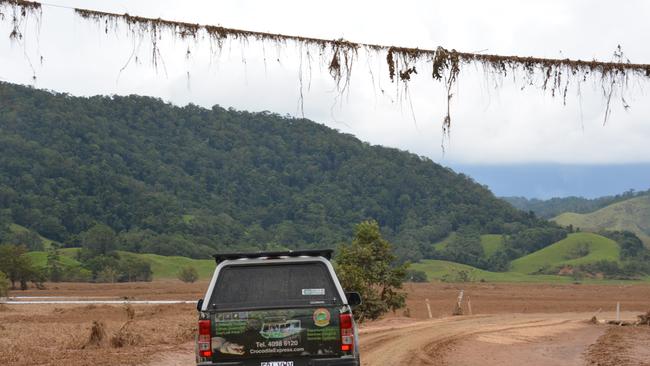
[{"x": 489, "y": 125}]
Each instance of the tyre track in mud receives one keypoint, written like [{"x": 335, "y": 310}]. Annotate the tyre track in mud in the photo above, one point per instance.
[{"x": 427, "y": 342}]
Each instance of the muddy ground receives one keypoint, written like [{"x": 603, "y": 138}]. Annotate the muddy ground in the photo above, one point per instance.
[{"x": 510, "y": 324}]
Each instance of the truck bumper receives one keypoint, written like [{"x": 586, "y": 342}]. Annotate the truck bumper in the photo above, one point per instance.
[{"x": 315, "y": 362}]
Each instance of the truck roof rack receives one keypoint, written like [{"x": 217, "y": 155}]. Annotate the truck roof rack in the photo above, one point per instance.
[{"x": 325, "y": 253}]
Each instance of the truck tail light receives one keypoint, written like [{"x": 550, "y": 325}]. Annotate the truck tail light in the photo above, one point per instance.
[
  {"x": 347, "y": 333},
  {"x": 205, "y": 338}
]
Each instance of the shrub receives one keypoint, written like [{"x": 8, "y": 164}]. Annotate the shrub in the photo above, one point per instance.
[
  {"x": 416, "y": 276},
  {"x": 108, "y": 274},
  {"x": 76, "y": 274},
  {"x": 457, "y": 275},
  {"x": 579, "y": 251},
  {"x": 188, "y": 274},
  {"x": 134, "y": 269}
]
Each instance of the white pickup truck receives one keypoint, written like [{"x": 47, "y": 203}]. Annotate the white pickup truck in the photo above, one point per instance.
[{"x": 277, "y": 309}]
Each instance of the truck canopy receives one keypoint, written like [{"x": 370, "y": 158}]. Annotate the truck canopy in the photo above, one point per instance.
[{"x": 260, "y": 286}]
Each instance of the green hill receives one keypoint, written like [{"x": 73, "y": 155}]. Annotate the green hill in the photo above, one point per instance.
[
  {"x": 192, "y": 181},
  {"x": 569, "y": 251},
  {"x": 631, "y": 215}
]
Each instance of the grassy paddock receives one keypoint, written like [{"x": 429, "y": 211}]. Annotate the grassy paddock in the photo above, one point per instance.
[
  {"x": 438, "y": 270},
  {"x": 559, "y": 254},
  {"x": 163, "y": 267}
]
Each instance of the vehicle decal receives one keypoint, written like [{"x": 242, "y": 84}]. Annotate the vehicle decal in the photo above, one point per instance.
[
  {"x": 321, "y": 317},
  {"x": 272, "y": 333},
  {"x": 313, "y": 292}
]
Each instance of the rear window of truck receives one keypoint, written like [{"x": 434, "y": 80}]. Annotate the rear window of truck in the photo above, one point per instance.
[{"x": 273, "y": 285}]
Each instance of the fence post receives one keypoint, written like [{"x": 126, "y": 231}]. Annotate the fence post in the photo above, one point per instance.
[{"x": 458, "y": 309}]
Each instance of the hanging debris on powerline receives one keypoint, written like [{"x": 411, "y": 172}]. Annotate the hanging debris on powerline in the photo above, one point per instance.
[{"x": 339, "y": 55}]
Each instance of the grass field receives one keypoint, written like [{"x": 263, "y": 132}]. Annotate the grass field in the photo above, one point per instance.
[
  {"x": 168, "y": 267},
  {"x": 632, "y": 215},
  {"x": 438, "y": 270},
  {"x": 39, "y": 259},
  {"x": 559, "y": 254},
  {"x": 491, "y": 243},
  {"x": 444, "y": 270},
  {"x": 555, "y": 255},
  {"x": 163, "y": 267}
]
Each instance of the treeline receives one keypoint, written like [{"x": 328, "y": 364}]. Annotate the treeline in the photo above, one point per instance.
[
  {"x": 555, "y": 206},
  {"x": 192, "y": 181}
]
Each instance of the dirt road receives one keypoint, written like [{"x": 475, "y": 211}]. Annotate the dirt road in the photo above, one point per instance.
[{"x": 453, "y": 340}]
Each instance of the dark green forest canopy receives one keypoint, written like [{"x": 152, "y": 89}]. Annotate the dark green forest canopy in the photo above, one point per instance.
[{"x": 191, "y": 181}]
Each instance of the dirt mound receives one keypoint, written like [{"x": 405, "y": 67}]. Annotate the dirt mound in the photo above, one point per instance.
[
  {"x": 126, "y": 337},
  {"x": 644, "y": 319},
  {"x": 621, "y": 346},
  {"x": 97, "y": 335}
]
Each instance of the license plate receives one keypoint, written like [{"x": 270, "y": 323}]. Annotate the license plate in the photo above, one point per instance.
[{"x": 276, "y": 363}]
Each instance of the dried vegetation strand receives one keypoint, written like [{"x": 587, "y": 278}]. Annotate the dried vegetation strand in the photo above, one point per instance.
[
  {"x": 20, "y": 11},
  {"x": 555, "y": 76}
]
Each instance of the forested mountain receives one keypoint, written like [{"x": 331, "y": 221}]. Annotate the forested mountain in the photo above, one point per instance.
[
  {"x": 555, "y": 206},
  {"x": 191, "y": 181}
]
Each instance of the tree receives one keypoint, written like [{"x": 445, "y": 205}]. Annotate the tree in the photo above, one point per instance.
[
  {"x": 413, "y": 275},
  {"x": 134, "y": 269},
  {"x": 188, "y": 274},
  {"x": 366, "y": 266},
  {"x": 19, "y": 267},
  {"x": 99, "y": 239},
  {"x": 465, "y": 247},
  {"x": 97, "y": 263},
  {"x": 30, "y": 239},
  {"x": 4, "y": 285},
  {"x": 55, "y": 267},
  {"x": 107, "y": 275}
]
